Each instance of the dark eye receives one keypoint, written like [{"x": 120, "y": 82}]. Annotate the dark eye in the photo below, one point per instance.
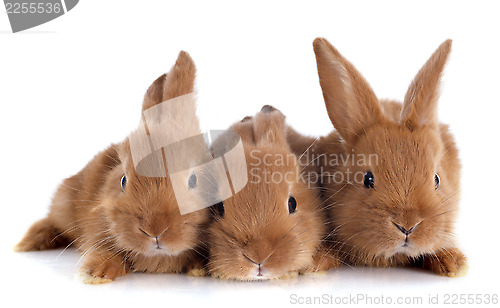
[
  {"x": 369, "y": 180},
  {"x": 123, "y": 182},
  {"x": 292, "y": 205},
  {"x": 437, "y": 180},
  {"x": 192, "y": 181},
  {"x": 219, "y": 209}
]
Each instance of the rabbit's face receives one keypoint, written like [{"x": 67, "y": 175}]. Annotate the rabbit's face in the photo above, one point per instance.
[
  {"x": 403, "y": 200},
  {"x": 144, "y": 216},
  {"x": 269, "y": 228},
  {"x": 400, "y": 196}
]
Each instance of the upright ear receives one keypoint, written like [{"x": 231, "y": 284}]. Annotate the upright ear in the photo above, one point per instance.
[
  {"x": 269, "y": 127},
  {"x": 154, "y": 95},
  {"x": 266, "y": 127},
  {"x": 179, "y": 81},
  {"x": 420, "y": 103},
  {"x": 244, "y": 128},
  {"x": 350, "y": 102}
]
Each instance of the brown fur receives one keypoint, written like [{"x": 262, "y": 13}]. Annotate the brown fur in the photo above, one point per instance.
[
  {"x": 114, "y": 228},
  {"x": 256, "y": 224},
  {"x": 411, "y": 146}
]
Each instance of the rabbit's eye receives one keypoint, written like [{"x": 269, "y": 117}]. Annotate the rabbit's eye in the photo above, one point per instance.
[
  {"x": 292, "y": 205},
  {"x": 219, "y": 209},
  {"x": 123, "y": 182},
  {"x": 369, "y": 180},
  {"x": 437, "y": 180},
  {"x": 192, "y": 181}
]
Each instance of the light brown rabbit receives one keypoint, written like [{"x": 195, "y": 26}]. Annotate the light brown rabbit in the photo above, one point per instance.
[
  {"x": 272, "y": 228},
  {"x": 120, "y": 220},
  {"x": 389, "y": 171}
]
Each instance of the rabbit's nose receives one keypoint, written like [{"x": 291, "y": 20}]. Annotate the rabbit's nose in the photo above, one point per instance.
[
  {"x": 257, "y": 261},
  {"x": 406, "y": 232},
  {"x": 249, "y": 259},
  {"x": 150, "y": 234}
]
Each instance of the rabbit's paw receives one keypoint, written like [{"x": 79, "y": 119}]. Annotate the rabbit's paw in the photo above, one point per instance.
[
  {"x": 450, "y": 262},
  {"x": 289, "y": 275},
  {"x": 96, "y": 271},
  {"x": 323, "y": 260},
  {"x": 197, "y": 272}
]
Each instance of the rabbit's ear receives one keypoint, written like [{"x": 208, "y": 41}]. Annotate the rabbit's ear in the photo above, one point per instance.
[
  {"x": 269, "y": 127},
  {"x": 420, "y": 103},
  {"x": 350, "y": 102},
  {"x": 154, "y": 95},
  {"x": 244, "y": 129},
  {"x": 179, "y": 81}
]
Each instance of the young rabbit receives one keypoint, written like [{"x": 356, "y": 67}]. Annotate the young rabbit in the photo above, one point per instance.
[
  {"x": 389, "y": 171},
  {"x": 124, "y": 221},
  {"x": 272, "y": 228}
]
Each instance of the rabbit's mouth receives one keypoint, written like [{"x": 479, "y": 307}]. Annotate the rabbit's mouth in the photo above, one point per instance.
[
  {"x": 257, "y": 271},
  {"x": 158, "y": 248},
  {"x": 405, "y": 247},
  {"x": 162, "y": 250},
  {"x": 261, "y": 273},
  {"x": 258, "y": 276}
]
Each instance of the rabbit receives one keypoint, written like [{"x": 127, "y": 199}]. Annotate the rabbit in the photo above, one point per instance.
[
  {"x": 273, "y": 228},
  {"x": 389, "y": 171},
  {"x": 123, "y": 221}
]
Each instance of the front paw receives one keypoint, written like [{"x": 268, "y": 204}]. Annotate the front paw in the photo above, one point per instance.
[
  {"x": 197, "y": 272},
  {"x": 289, "y": 275},
  {"x": 323, "y": 260},
  {"x": 449, "y": 262},
  {"x": 97, "y": 270},
  {"x": 197, "y": 267}
]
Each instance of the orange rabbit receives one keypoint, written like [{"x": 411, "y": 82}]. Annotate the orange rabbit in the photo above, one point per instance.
[
  {"x": 272, "y": 228},
  {"x": 396, "y": 203},
  {"x": 120, "y": 220}
]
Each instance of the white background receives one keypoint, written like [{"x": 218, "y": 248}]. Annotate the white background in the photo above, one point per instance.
[{"x": 72, "y": 86}]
